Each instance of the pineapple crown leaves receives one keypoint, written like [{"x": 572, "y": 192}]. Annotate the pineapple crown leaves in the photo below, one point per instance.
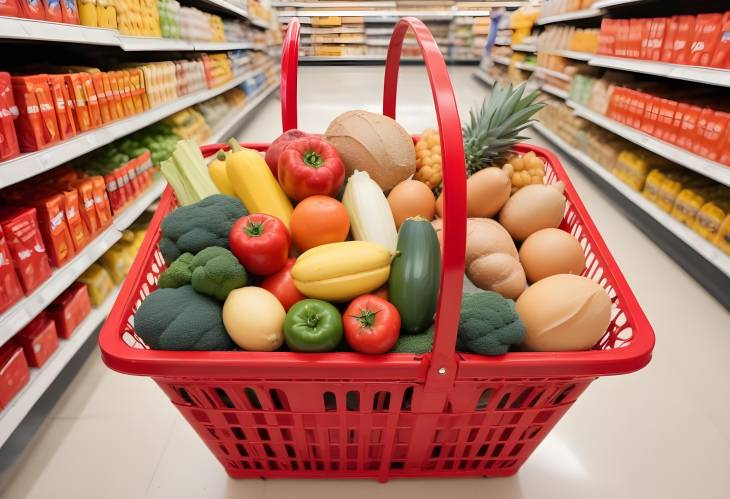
[{"x": 495, "y": 126}]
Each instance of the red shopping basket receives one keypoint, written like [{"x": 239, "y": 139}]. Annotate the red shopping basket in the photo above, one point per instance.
[{"x": 336, "y": 415}]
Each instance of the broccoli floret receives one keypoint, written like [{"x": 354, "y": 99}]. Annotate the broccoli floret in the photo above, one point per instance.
[
  {"x": 178, "y": 273},
  {"x": 200, "y": 225},
  {"x": 181, "y": 319},
  {"x": 488, "y": 324},
  {"x": 217, "y": 272}
]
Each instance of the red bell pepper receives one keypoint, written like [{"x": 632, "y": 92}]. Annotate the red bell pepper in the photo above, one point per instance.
[
  {"x": 310, "y": 166},
  {"x": 277, "y": 147},
  {"x": 260, "y": 242}
]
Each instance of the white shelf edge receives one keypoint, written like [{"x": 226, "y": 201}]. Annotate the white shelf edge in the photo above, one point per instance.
[
  {"x": 19, "y": 315},
  {"x": 259, "y": 23},
  {"x": 569, "y": 16},
  {"x": 524, "y": 66},
  {"x": 483, "y": 76},
  {"x": 712, "y": 254},
  {"x": 710, "y": 76},
  {"x": 41, "y": 378},
  {"x": 552, "y": 72},
  {"x": 603, "y": 4},
  {"x": 504, "y": 61},
  {"x": 570, "y": 54},
  {"x": 521, "y": 47},
  {"x": 222, "y": 4},
  {"x": 336, "y": 5},
  {"x": 30, "y": 164},
  {"x": 229, "y": 122},
  {"x": 557, "y": 92},
  {"x": 687, "y": 159},
  {"x": 421, "y": 14}
]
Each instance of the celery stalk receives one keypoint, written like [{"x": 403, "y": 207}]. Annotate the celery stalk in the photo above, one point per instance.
[
  {"x": 191, "y": 167},
  {"x": 178, "y": 184}
]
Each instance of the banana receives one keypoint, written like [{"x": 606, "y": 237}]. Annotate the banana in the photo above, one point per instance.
[{"x": 341, "y": 271}]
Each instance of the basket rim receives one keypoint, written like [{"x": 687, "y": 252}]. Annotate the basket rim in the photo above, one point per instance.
[{"x": 396, "y": 366}]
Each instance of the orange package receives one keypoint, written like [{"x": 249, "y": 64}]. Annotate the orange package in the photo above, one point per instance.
[
  {"x": 137, "y": 90},
  {"x": 64, "y": 106},
  {"x": 101, "y": 202},
  {"x": 33, "y": 9},
  {"x": 91, "y": 100},
  {"x": 8, "y": 113},
  {"x": 607, "y": 37},
  {"x": 651, "y": 114},
  {"x": 98, "y": 80},
  {"x": 10, "y": 8},
  {"x": 126, "y": 88},
  {"x": 636, "y": 32},
  {"x": 683, "y": 39},
  {"x": 80, "y": 106},
  {"x": 710, "y": 131},
  {"x": 85, "y": 188},
  {"x": 687, "y": 132},
  {"x": 659, "y": 28},
  {"x": 70, "y": 11},
  {"x": 77, "y": 228},
  {"x": 116, "y": 110},
  {"x": 667, "y": 107},
  {"x": 53, "y": 10},
  {"x": 36, "y": 125},
  {"x": 707, "y": 36},
  {"x": 670, "y": 34},
  {"x": 54, "y": 229}
]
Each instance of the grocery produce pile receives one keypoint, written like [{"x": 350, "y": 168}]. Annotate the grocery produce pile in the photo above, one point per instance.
[{"x": 333, "y": 243}]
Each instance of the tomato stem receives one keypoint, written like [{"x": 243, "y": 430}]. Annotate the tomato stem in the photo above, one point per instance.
[
  {"x": 312, "y": 159},
  {"x": 366, "y": 318}
]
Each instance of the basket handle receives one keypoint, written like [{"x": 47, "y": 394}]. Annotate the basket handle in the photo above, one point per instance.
[
  {"x": 289, "y": 64},
  {"x": 442, "y": 369}
]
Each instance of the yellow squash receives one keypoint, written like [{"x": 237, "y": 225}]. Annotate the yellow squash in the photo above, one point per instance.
[
  {"x": 255, "y": 185},
  {"x": 342, "y": 271},
  {"x": 217, "y": 172}
]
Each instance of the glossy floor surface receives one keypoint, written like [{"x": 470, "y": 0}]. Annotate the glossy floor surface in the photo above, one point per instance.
[{"x": 660, "y": 433}]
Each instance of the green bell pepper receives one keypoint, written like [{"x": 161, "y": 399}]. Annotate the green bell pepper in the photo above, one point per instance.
[{"x": 313, "y": 326}]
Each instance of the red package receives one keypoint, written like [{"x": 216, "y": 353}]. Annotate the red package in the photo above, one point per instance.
[
  {"x": 70, "y": 11},
  {"x": 14, "y": 372},
  {"x": 9, "y": 8},
  {"x": 70, "y": 309},
  {"x": 646, "y": 34},
  {"x": 77, "y": 228},
  {"x": 707, "y": 36},
  {"x": 724, "y": 147},
  {"x": 721, "y": 57},
  {"x": 622, "y": 38},
  {"x": 670, "y": 35},
  {"x": 25, "y": 242},
  {"x": 656, "y": 42},
  {"x": 36, "y": 125},
  {"x": 101, "y": 202},
  {"x": 651, "y": 114},
  {"x": 38, "y": 339},
  {"x": 98, "y": 80},
  {"x": 8, "y": 113},
  {"x": 687, "y": 132},
  {"x": 33, "y": 9},
  {"x": 665, "y": 119},
  {"x": 676, "y": 127},
  {"x": 53, "y": 10},
  {"x": 636, "y": 32},
  {"x": 683, "y": 40},
  {"x": 91, "y": 100},
  {"x": 80, "y": 106},
  {"x": 637, "y": 104},
  {"x": 85, "y": 188},
  {"x": 54, "y": 228},
  {"x": 710, "y": 131},
  {"x": 63, "y": 105},
  {"x": 10, "y": 290},
  {"x": 607, "y": 37}
]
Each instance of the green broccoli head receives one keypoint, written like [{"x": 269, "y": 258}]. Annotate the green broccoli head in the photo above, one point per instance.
[
  {"x": 181, "y": 319},
  {"x": 488, "y": 324},
  {"x": 415, "y": 343},
  {"x": 197, "y": 226},
  {"x": 216, "y": 272},
  {"x": 178, "y": 273}
]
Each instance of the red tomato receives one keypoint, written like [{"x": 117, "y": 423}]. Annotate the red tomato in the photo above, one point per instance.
[
  {"x": 260, "y": 242},
  {"x": 282, "y": 286},
  {"x": 372, "y": 325},
  {"x": 319, "y": 220}
]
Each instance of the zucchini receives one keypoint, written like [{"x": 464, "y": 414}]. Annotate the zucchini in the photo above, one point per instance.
[{"x": 415, "y": 275}]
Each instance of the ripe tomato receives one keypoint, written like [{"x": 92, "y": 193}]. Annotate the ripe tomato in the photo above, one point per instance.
[
  {"x": 372, "y": 325},
  {"x": 319, "y": 220},
  {"x": 282, "y": 286},
  {"x": 260, "y": 242}
]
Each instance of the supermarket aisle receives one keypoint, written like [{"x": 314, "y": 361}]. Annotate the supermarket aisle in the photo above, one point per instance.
[{"x": 660, "y": 433}]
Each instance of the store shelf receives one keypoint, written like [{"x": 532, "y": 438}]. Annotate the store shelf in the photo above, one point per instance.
[
  {"x": 524, "y": 48},
  {"x": 228, "y": 7},
  {"x": 551, "y": 72},
  {"x": 707, "y": 263},
  {"x": 570, "y": 54},
  {"x": 704, "y": 166},
  {"x": 570, "y": 16},
  {"x": 425, "y": 15},
  {"x": 525, "y": 66},
  {"x": 504, "y": 61},
  {"x": 41, "y": 379},
  {"x": 604, "y": 4},
  {"x": 20, "y": 314},
  {"x": 484, "y": 77},
  {"x": 233, "y": 119},
  {"x": 557, "y": 92},
  {"x": 259, "y": 23},
  {"x": 26, "y": 29},
  {"x": 203, "y": 46},
  {"x": 373, "y": 4},
  {"x": 147, "y": 43},
  {"x": 355, "y": 58},
  {"x": 711, "y": 76},
  {"x": 30, "y": 164}
]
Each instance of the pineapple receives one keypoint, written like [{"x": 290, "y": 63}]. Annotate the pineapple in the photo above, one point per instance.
[
  {"x": 428, "y": 159},
  {"x": 495, "y": 127}
]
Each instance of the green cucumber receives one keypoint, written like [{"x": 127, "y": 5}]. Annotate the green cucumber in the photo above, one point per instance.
[{"x": 415, "y": 275}]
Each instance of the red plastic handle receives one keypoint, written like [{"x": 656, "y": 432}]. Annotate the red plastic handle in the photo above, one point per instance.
[{"x": 442, "y": 368}]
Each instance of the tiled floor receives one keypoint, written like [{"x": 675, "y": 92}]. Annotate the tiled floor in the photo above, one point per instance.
[{"x": 661, "y": 433}]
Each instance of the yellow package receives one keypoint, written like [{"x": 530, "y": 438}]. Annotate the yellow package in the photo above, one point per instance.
[
  {"x": 689, "y": 201},
  {"x": 709, "y": 218},
  {"x": 722, "y": 238},
  {"x": 326, "y": 21},
  {"x": 116, "y": 262},
  {"x": 87, "y": 13},
  {"x": 99, "y": 283}
]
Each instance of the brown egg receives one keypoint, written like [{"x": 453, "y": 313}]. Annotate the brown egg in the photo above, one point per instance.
[
  {"x": 563, "y": 313},
  {"x": 534, "y": 207},
  {"x": 411, "y": 198},
  {"x": 551, "y": 251},
  {"x": 486, "y": 192}
]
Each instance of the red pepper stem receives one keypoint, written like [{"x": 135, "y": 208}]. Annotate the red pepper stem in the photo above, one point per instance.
[
  {"x": 254, "y": 229},
  {"x": 366, "y": 318},
  {"x": 312, "y": 159}
]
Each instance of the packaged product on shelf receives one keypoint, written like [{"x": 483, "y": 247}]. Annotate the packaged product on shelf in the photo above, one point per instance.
[
  {"x": 87, "y": 13},
  {"x": 33, "y": 9},
  {"x": 14, "y": 372},
  {"x": 85, "y": 189},
  {"x": 23, "y": 237},
  {"x": 722, "y": 238},
  {"x": 710, "y": 217},
  {"x": 54, "y": 228},
  {"x": 79, "y": 233},
  {"x": 37, "y": 126},
  {"x": 10, "y": 290},
  {"x": 10, "y": 8},
  {"x": 721, "y": 57},
  {"x": 63, "y": 105},
  {"x": 9, "y": 147},
  {"x": 53, "y": 10},
  {"x": 38, "y": 339},
  {"x": 101, "y": 201},
  {"x": 70, "y": 12},
  {"x": 70, "y": 309},
  {"x": 690, "y": 200},
  {"x": 98, "y": 282}
]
